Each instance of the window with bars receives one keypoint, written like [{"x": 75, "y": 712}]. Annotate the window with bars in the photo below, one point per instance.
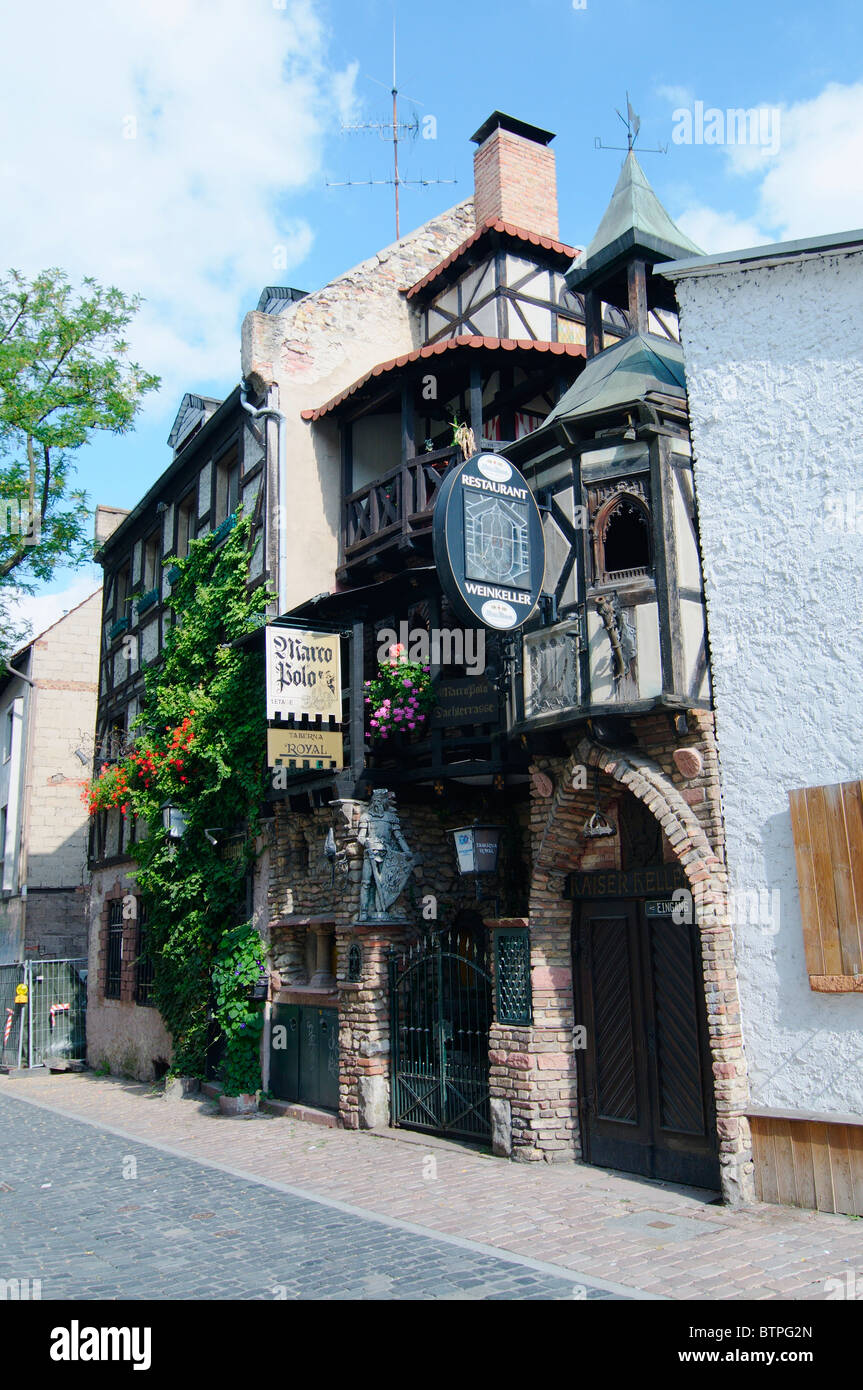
[
  {"x": 514, "y": 1002},
  {"x": 144, "y": 961},
  {"x": 114, "y": 950}
]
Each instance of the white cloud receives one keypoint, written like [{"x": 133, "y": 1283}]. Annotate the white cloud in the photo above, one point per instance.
[
  {"x": 720, "y": 231},
  {"x": 809, "y": 186},
  {"x": 813, "y": 186},
  {"x": 40, "y": 611},
  {"x": 155, "y": 145}
]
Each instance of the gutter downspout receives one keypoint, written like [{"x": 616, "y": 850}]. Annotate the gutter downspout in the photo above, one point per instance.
[
  {"x": 23, "y": 857},
  {"x": 282, "y": 517}
]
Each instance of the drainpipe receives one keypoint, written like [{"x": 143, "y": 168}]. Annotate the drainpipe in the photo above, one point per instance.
[
  {"x": 23, "y": 807},
  {"x": 282, "y": 512}
]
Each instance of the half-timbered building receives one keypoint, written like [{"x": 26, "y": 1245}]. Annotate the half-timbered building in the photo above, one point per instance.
[{"x": 579, "y": 1002}]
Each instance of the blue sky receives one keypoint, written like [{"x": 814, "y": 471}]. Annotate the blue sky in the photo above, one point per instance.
[{"x": 180, "y": 148}]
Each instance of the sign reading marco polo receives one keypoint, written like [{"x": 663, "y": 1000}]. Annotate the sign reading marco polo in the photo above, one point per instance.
[
  {"x": 303, "y": 674},
  {"x": 489, "y": 546}
]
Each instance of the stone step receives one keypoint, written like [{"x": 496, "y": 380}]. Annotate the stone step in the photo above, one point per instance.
[{"x": 293, "y": 1110}]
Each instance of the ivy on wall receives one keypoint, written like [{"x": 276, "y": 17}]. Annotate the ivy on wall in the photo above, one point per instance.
[{"x": 200, "y": 745}]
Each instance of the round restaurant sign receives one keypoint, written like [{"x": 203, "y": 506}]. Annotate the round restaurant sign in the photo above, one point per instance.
[{"x": 489, "y": 545}]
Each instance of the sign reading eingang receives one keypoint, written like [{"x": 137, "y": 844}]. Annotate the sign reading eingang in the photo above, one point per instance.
[{"x": 489, "y": 546}]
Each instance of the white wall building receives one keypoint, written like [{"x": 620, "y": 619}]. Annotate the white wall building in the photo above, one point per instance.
[{"x": 773, "y": 344}]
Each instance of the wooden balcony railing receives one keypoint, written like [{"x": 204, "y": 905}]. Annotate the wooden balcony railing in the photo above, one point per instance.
[{"x": 397, "y": 506}]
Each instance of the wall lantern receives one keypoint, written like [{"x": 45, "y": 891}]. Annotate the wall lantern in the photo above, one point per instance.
[
  {"x": 477, "y": 848},
  {"x": 173, "y": 820}
]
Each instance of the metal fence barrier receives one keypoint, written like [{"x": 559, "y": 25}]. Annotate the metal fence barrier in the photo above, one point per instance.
[{"x": 43, "y": 1012}]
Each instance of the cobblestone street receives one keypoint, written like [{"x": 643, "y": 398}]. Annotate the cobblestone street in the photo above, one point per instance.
[{"x": 266, "y": 1207}]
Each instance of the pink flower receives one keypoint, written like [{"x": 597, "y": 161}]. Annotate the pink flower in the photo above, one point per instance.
[
  {"x": 411, "y": 724},
  {"x": 408, "y": 685},
  {"x": 396, "y": 650}
]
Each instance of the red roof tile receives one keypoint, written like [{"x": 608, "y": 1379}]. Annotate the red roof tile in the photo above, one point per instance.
[
  {"x": 493, "y": 224},
  {"x": 435, "y": 350}
]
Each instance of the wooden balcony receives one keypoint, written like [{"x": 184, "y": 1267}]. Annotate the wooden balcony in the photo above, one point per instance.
[{"x": 394, "y": 512}]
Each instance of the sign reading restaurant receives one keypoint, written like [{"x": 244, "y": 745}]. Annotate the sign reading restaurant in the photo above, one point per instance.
[
  {"x": 303, "y": 674},
  {"x": 489, "y": 546}
]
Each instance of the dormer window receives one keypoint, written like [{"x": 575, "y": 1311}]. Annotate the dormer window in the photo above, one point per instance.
[{"x": 622, "y": 539}]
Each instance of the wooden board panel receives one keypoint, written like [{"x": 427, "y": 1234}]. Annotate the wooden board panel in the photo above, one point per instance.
[
  {"x": 806, "y": 1163},
  {"x": 843, "y": 887},
  {"x": 806, "y": 883},
  {"x": 840, "y": 1166},
  {"x": 784, "y": 1161},
  {"x": 855, "y": 1158},
  {"x": 822, "y": 1173},
  {"x": 852, "y": 803},
  {"x": 822, "y": 863},
  {"x": 804, "y": 1174}
]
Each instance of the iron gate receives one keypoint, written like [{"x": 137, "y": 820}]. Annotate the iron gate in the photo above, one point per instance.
[{"x": 440, "y": 1012}]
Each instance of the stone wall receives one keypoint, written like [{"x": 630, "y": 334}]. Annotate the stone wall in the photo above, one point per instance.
[
  {"x": 535, "y": 1068},
  {"x": 129, "y": 1039},
  {"x": 304, "y": 900}
]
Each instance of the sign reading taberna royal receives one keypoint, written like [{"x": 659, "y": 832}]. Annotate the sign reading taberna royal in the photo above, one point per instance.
[
  {"x": 303, "y": 674},
  {"x": 489, "y": 546}
]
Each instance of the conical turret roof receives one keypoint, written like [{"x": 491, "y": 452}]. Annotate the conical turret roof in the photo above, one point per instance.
[{"x": 634, "y": 220}]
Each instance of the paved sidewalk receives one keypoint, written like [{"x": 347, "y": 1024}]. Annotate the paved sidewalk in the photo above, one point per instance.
[
  {"x": 92, "y": 1215},
  {"x": 664, "y": 1241}
]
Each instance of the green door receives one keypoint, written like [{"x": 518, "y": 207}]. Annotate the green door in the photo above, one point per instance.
[{"x": 304, "y": 1055}]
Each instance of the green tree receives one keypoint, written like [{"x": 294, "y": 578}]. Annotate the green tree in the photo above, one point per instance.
[{"x": 64, "y": 374}]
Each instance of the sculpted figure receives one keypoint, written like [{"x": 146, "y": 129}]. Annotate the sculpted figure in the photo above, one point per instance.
[{"x": 387, "y": 857}]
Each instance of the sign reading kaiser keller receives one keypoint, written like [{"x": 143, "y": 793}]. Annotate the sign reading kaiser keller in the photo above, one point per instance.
[
  {"x": 303, "y": 674},
  {"x": 489, "y": 546}
]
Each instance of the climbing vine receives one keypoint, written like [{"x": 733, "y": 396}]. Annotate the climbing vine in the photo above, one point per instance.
[{"x": 199, "y": 744}]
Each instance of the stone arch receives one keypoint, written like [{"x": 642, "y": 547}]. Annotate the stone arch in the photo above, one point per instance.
[{"x": 706, "y": 874}]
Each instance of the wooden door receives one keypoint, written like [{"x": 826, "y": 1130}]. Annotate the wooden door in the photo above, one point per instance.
[
  {"x": 645, "y": 1087},
  {"x": 304, "y": 1055}
]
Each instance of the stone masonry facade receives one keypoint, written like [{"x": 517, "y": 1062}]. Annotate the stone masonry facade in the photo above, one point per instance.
[{"x": 534, "y": 1068}]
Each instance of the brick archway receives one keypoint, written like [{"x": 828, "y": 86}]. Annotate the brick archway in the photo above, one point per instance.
[{"x": 533, "y": 1070}]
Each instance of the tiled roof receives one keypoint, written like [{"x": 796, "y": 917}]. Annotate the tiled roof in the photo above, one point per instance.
[
  {"x": 435, "y": 350},
  {"x": 493, "y": 224}
]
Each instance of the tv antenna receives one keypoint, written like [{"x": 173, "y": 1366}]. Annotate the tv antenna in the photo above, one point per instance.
[
  {"x": 385, "y": 129},
  {"x": 633, "y": 126}
]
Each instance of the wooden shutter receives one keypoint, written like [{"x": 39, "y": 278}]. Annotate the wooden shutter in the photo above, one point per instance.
[{"x": 827, "y": 823}]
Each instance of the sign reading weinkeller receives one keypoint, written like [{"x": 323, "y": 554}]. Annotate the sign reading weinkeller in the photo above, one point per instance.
[
  {"x": 303, "y": 674},
  {"x": 489, "y": 546}
]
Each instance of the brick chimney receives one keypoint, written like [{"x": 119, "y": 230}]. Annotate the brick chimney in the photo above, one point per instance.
[{"x": 514, "y": 175}]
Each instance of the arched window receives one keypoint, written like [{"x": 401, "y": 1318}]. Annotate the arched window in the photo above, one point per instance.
[{"x": 622, "y": 539}]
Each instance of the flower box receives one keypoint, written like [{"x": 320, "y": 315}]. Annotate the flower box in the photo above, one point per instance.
[{"x": 147, "y": 600}]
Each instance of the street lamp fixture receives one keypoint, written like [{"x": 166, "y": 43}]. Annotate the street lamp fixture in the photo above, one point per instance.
[
  {"x": 173, "y": 820},
  {"x": 477, "y": 848}
]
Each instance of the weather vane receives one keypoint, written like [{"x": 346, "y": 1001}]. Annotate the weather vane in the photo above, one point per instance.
[
  {"x": 633, "y": 126},
  {"x": 384, "y": 129}
]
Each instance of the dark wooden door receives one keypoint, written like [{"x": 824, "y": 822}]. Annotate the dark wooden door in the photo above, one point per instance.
[
  {"x": 304, "y": 1055},
  {"x": 646, "y": 1095}
]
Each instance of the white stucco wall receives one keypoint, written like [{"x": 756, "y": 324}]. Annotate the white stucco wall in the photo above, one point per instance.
[{"x": 774, "y": 365}]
